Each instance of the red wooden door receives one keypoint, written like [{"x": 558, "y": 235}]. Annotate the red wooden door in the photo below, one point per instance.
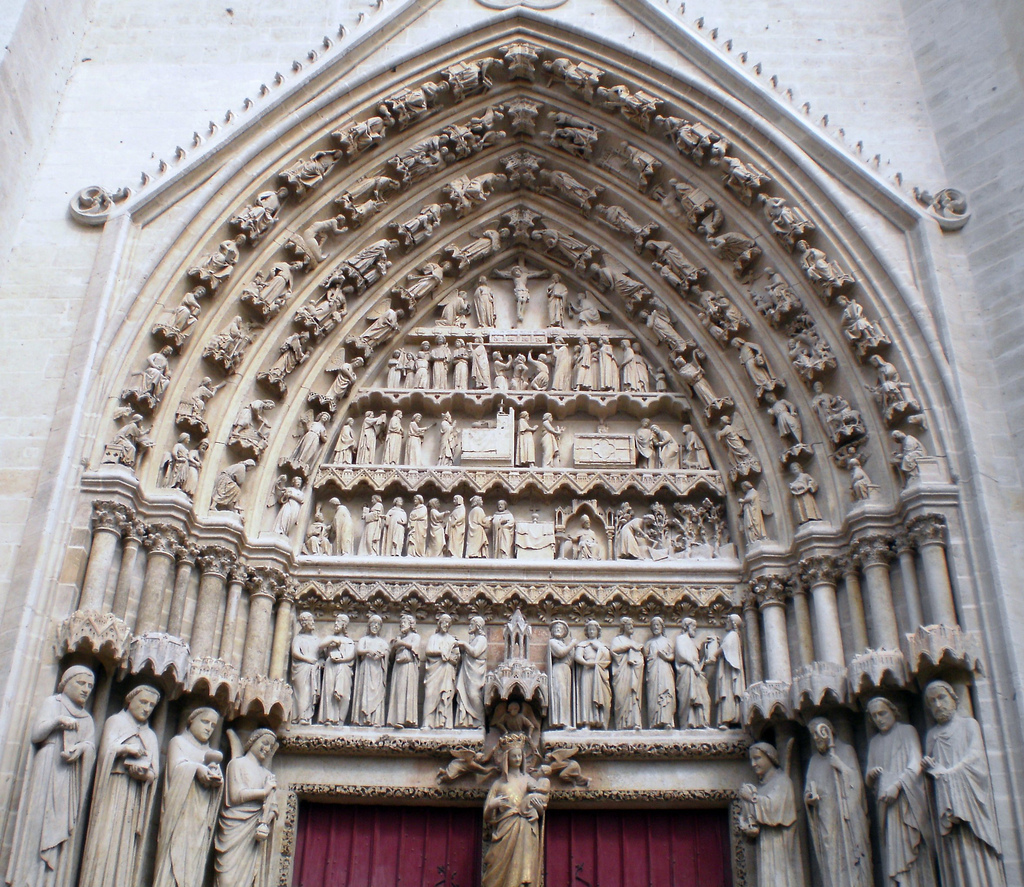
[
  {"x": 637, "y": 848},
  {"x": 354, "y": 845}
]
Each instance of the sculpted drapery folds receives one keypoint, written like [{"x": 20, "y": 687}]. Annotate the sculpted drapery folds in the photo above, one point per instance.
[
  {"x": 127, "y": 767},
  {"x": 51, "y": 816},
  {"x": 469, "y": 688},
  {"x": 404, "y": 704},
  {"x": 561, "y": 652},
  {"x": 768, "y": 817},
  {"x": 659, "y": 678},
  {"x": 627, "y": 677},
  {"x": 693, "y": 702},
  {"x": 442, "y": 660},
  {"x": 336, "y": 695},
  {"x": 192, "y": 794},
  {"x": 305, "y": 670},
  {"x": 370, "y": 695},
  {"x": 729, "y": 679},
  {"x": 593, "y": 681}
]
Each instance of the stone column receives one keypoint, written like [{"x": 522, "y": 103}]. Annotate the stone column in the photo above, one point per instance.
[
  {"x": 802, "y": 612},
  {"x": 752, "y": 636},
  {"x": 132, "y": 534},
  {"x": 186, "y": 555},
  {"x": 160, "y": 543},
  {"x": 214, "y": 563},
  {"x": 107, "y": 518},
  {"x": 908, "y": 572},
  {"x": 236, "y": 580},
  {"x": 771, "y": 595},
  {"x": 855, "y": 602},
  {"x": 282, "y": 634},
  {"x": 820, "y": 573},
  {"x": 263, "y": 586},
  {"x": 883, "y": 630},
  {"x": 929, "y": 533}
]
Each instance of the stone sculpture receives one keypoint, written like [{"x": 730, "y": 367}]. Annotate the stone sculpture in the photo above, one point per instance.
[
  {"x": 827, "y": 276},
  {"x": 51, "y": 813},
  {"x": 244, "y": 841},
  {"x": 369, "y": 435},
  {"x": 191, "y": 412},
  {"x": 338, "y": 673},
  {"x": 907, "y": 458},
  {"x": 342, "y": 529},
  {"x": 396, "y": 522},
  {"x": 627, "y": 655},
  {"x": 561, "y": 655},
  {"x": 317, "y": 541},
  {"x": 659, "y": 678},
  {"x": 803, "y": 487},
  {"x": 127, "y": 767},
  {"x": 311, "y": 439},
  {"x": 291, "y": 497},
  {"x": 442, "y": 655},
  {"x": 177, "y": 324},
  {"x": 729, "y": 678},
  {"x": 752, "y": 513},
  {"x": 593, "y": 681},
  {"x": 861, "y": 487},
  {"x": 742, "y": 460},
  {"x": 768, "y": 817},
  {"x": 151, "y": 381},
  {"x": 415, "y": 434},
  {"x": 836, "y": 810},
  {"x": 751, "y": 357},
  {"x": 436, "y": 537},
  {"x": 503, "y": 530},
  {"x": 373, "y": 527},
  {"x": 904, "y": 823},
  {"x": 841, "y": 422},
  {"x": 514, "y": 813},
  {"x": 404, "y": 698},
  {"x": 227, "y": 487},
  {"x": 693, "y": 702},
  {"x": 370, "y": 693},
  {"x": 227, "y": 348},
  {"x": 455, "y": 529},
  {"x": 955, "y": 760},
  {"x": 469, "y": 687},
  {"x": 214, "y": 269},
  {"x": 394, "y": 436},
  {"x": 192, "y": 794},
  {"x": 305, "y": 670}
]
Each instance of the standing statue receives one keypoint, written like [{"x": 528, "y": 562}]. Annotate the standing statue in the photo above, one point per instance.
[
  {"x": 904, "y": 823},
  {"x": 455, "y": 529},
  {"x": 550, "y": 435},
  {"x": 768, "y": 817},
  {"x": 477, "y": 525},
  {"x": 373, "y": 527},
  {"x": 244, "y": 844},
  {"x": 48, "y": 837},
  {"x": 752, "y": 513},
  {"x": 627, "y": 677},
  {"x": 606, "y": 369},
  {"x": 667, "y": 448},
  {"x": 561, "y": 373},
  {"x": 593, "y": 683},
  {"x": 643, "y": 440},
  {"x": 561, "y": 652},
  {"x": 660, "y": 679},
  {"x": 393, "y": 540},
  {"x": 404, "y": 701},
  {"x": 836, "y": 811},
  {"x": 483, "y": 304},
  {"x": 336, "y": 694},
  {"x": 305, "y": 669},
  {"x": 343, "y": 529},
  {"x": 526, "y": 450},
  {"x": 803, "y": 487},
  {"x": 968, "y": 837},
  {"x": 692, "y": 697},
  {"x": 291, "y": 497},
  {"x": 393, "y": 438},
  {"x": 469, "y": 687},
  {"x": 480, "y": 364},
  {"x": 370, "y": 694},
  {"x": 557, "y": 294},
  {"x": 436, "y": 537},
  {"x": 503, "y": 529},
  {"x": 419, "y": 520},
  {"x": 345, "y": 451},
  {"x": 227, "y": 487},
  {"x": 729, "y": 680},
  {"x": 369, "y": 435},
  {"x": 442, "y": 661},
  {"x": 192, "y": 792},
  {"x": 449, "y": 437},
  {"x": 695, "y": 453},
  {"x": 514, "y": 813},
  {"x": 127, "y": 767}
]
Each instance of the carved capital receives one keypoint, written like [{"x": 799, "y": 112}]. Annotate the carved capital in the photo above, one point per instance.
[
  {"x": 109, "y": 516},
  {"x": 216, "y": 561},
  {"x": 819, "y": 569},
  {"x": 288, "y": 591},
  {"x": 265, "y": 582},
  {"x": 903, "y": 543},
  {"x": 874, "y": 550},
  {"x": 238, "y": 573},
  {"x": 771, "y": 590},
  {"x": 162, "y": 539},
  {"x": 133, "y": 532},
  {"x": 849, "y": 564},
  {"x": 928, "y": 529},
  {"x": 186, "y": 554}
]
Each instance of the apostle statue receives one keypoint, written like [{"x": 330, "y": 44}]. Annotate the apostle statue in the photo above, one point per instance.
[
  {"x": 455, "y": 529},
  {"x": 127, "y": 767},
  {"x": 660, "y": 678},
  {"x": 370, "y": 695},
  {"x": 336, "y": 694},
  {"x": 593, "y": 683},
  {"x": 894, "y": 771},
  {"x": 692, "y": 698},
  {"x": 51, "y": 822},
  {"x": 442, "y": 655},
  {"x": 404, "y": 701},
  {"x": 243, "y": 844},
  {"x": 305, "y": 669},
  {"x": 514, "y": 813},
  {"x": 627, "y": 676},
  {"x": 729, "y": 680},
  {"x": 469, "y": 688},
  {"x": 768, "y": 817},
  {"x": 192, "y": 791},
  {"x": 968, "y": 837},
  {"x": 836, "y": 811},
  {"x": 561, "y": 652}
]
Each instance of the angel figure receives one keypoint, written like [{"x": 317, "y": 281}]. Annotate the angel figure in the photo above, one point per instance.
[
  {"x": 313, "y": 436},
  {"x": 733, "y": 434},
  {"x": 291, "y": 497},
  {"x": 384, "y": 323}
]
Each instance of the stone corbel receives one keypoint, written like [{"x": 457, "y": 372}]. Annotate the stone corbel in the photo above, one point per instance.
[
  {"x": 266, "y": 697},
  {"x": 102, "y": 635},
  {"x": 874, "y": 669},
  {"x": 934, "y": 647},
  {"x": 818, "y": 683},
  {"x": 160, "y": 655},
  {"x": 94, "y": 205},
  {"x": 948, "y": 207},
  {"x": 765, "y": 700}
]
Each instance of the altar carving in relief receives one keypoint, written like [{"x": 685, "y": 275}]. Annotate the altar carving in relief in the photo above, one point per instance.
[
  {"x": 176, "y": 325},
  {"x": 51, "y": 813}
]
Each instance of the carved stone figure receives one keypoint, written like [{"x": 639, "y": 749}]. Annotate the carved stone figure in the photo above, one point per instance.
[
  {"x": 826, "y": 275},
  {"x": 227, "y": 349},
  {"x": 627, "y": 677},
  {"x": 779, "y": 301},
  {"x": 477, "y": 525},
  {"x": 593, "y": 681},
  {"x": 803, "y": 487},
  {"x": 694, "y": 139},
  {"x": 403, "y": 702},
  {"x": 692, "y": 373},
  {"x": 564, "y": 247},
  {"x": 786, "y": 418},
  {"x": 214, "y": 269},
  {"x": 306, "y": 175},
  {"x": 292, "y": 498},
  {"x": 317, "y": 541},
  {"x": 305, "y": 669},
  {"x": 633, "y": 369},
  {"x": 414, "y": 440},
  {"x": 465, "y": 194},
  {"x": 751, "y": 357},
  {"x": 312, "y": 439},
  {"x": 745, "y": 179},
  {"x": 363, "y": 136},
  {"x": 192, "y": 792},
  {"x": 659, "y": 679},
  {"x": 526, "y": 453},
  {"x": 503, "y": 529},
  {"x": 342, "y": 529},
  {"x": 643, "y": 440},
  {"x": 191, "y": 412},
  {"x": 788, "y": 223},
  {"x": 174, "y": 465},
  {"x": 955, "y": 759},
  {"x": 894, "y": 395},
  {"x": 460, "y": 366},
  {"x": 258, "y": 217},
  {"x": 455, "y": 530},
  {"x": 695, "y": 454},
  {"x": 574, "y": 135},
  {"x": 176, "y": 325},
  {"x": 581, "y": 78},
  {"x": 561, "y": 655},
  {"x": 811, "y": 355},
  {"x": 394, "y": 437},
  {"x": 127, "y": 767},
  {"x": 636, "y": 107},
  {"x": 382, "y": 327},
  {"x": 520, "y": 276},
  {"x": 768, "y": 817},
  {"x": 569, "y": 190},
  {"x": 860, "y": 483},
  {"x": 907, "y": 458},
  {"x": 293, "y": 352},
  {"x": 373, "y": 527},
  {"x": 308, "y": 246},
  {"x": 729, "y": 680},
  {"x": 251, "y": 431},
  {"x": 739, "y": 249},
  {"x": 227, "y": 488},
  {"x": 395, "y": 524},
  {"x": 152, "y": 381},
  {"x": 486, "y": 243},
  {"x": 244, "y": 841},
  {"x": 667, "y": 448},
  {"x": 51, "y": 812},
  {"x": 894, "y": 771},
  {"x": 693, "y": 703},
  {"x": 742, "y": 460},
  {"x": 752, "y": 513},
  {"x": 336, "y": 692},
  {"x": 436, "y": 537},
  {"x": 369, "y": 435},
  {"x": 442, "y": 656},
  {"x": 864, "y": 335},
  {"x": 514, "y": 813},
  {"x": 842, "y": 423},
  {"x": 416, "y": 536},
  {"x": 370, "y": 694}
]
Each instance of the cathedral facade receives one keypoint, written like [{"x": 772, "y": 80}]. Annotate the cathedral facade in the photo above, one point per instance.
[{"x": 520, "y": 444}]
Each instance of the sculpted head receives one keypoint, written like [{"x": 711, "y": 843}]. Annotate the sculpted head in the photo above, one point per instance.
[
  {"x": 341, "y": 624},
  {"x": 593, "y": 629},
  {"x": 627, "y": 626},
  {"x": 559, "y": 629},
  {"x": 406, "y": 623},
  {"x": 202, "y": 722},
  {"x": 763, "y": 759},
  {"x": 657, "y": 626},
  {"x": 76, "y": 683},
  {"x": 262, "y": 744},
  {"x": 941, "y": 700},
  {"x": 306, "y": 621},
  {"x": 141, "y": 701},
  {"x": 690, "y": 626},
  {"x": 477, "y": 625},
  {"x": 734, "y": 621},
  {"x": 883, "y": 714},
  {"x": 444, "y": 622},
  {"x": 374, "y": 624},
  {"x": 822, "y": 735}
]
